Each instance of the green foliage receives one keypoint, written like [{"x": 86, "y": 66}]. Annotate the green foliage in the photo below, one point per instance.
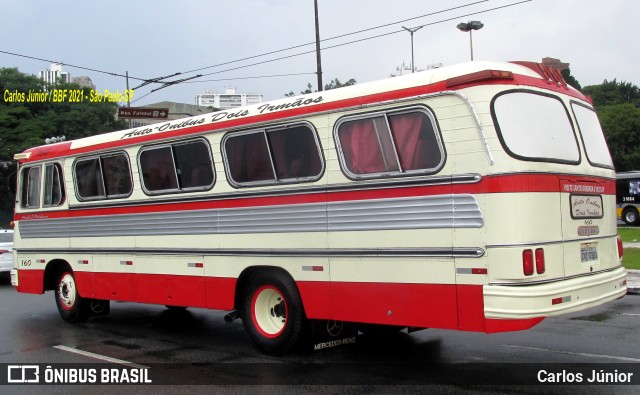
[
  {"x": 333, "y": 84},
  {"x": 612, "y": 92},
  {"x": 629, "y": 234},
  {"x": 25, "y": 124},
  {"x": 618, "y": 107},
  {"x": 566, "y": 74},
  {"x": 621, "y": 126},
  {"x": 631, "y": 258}
]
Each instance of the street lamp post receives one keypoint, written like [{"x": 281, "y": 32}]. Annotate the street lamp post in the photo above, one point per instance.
[
  {"x": 469, "y": 27},
  {"x": 412, "y": 30}
]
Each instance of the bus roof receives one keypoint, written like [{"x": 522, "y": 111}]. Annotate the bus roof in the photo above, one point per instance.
[{"x": 421, "y": 83}]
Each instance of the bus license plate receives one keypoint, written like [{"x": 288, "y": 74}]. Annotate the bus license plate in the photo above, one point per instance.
[{"x": 588, "y": 253}]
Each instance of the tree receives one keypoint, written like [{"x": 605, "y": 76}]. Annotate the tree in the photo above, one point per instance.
[
  {"x": 621, "y": 126},
  {"x": 618, "y": 107},
  {"x": 333, "y": 84},
  {"x": 571, "y": 80},
  {"x": 613, "y": 92},
  {"x": 27, "y": 123}
]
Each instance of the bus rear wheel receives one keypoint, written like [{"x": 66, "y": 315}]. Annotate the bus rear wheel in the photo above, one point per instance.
[
  {"x": 630, "y": 216},
  {"x": 272, "y": 312},
  {"x": 71, "y": 306}
]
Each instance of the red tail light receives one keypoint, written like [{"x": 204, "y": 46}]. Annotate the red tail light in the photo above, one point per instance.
[
  {"x": 620, "y": 248},
  {"x": 3, "y": 251},
  {"x": 539, "y": 260},
  {"x": 527, "y": 262}
]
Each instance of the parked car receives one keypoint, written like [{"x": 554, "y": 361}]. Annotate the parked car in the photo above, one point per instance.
[{"x": 6, "y": 252}]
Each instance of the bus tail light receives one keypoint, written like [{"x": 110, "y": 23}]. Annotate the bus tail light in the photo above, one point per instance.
[
  {"x": 620, "y": 248},
  {"x": 540, "y": 260},
  {"x": 527, "y": 262}
]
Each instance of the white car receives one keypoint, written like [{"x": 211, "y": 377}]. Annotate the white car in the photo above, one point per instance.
[{"x": 6, "y": 252}]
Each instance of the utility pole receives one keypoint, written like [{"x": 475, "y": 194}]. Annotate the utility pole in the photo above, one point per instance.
[
  {"x": 318, "y": 60},
  {"x": 128, "y": 95},
  {"x": 412, "y": 30}
]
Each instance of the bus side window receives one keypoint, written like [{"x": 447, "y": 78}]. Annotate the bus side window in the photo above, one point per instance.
[
  {"x": 88, "y": 175},
  {"x": 53, "y": 185},
  {"x": 195, "y": 167},
  {"x": 117, "y": 176},
  {"x": 391, "y": 143},
  {"x": 30, "y": 187},
  {"x": 288, "y": 154},
  {"x": 103, "y": 177},
  {"x": 184, "y": 166},
  {"x": 295, "y": 153}
]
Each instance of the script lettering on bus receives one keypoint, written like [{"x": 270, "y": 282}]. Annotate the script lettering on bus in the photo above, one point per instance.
[
  {"x": 229, "y": 115},
  {"x": 586, "y": 206},
  {"x": 284, "y": 106},
  {"x": 162, "y": 128}
]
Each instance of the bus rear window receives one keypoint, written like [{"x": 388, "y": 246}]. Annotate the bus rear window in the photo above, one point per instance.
[
  {"x": 533, "y": 126},
  {"x": 592, "y": 136}
]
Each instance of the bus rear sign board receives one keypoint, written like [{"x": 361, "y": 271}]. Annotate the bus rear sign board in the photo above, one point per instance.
[{"x": 143, "y": 112}]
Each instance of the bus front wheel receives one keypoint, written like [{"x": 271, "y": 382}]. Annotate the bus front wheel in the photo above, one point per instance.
[
  {"x": 272, "y": 312},
  {"x": 630, "y": 216},
  {"x": 71, "y": 306}
]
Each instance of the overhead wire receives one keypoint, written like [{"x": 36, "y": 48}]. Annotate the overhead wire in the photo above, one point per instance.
[
  {"x": 358, "y": 40},
  {"x": 168, "y": 83}
]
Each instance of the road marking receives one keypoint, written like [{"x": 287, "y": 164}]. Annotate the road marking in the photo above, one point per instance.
[
  {"x": 638, "y": 315},
  {"x": 100, "y": 357},
  {"x": 582, "y": 354}
]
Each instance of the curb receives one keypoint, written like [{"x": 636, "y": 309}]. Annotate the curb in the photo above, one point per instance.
[{"x": 633, "y": 281}]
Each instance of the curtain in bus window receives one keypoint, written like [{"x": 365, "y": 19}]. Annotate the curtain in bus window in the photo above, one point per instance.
[
  {"x": 117, "y": 176},
  {"x": 367, "y": 146},
  {"x": 415, "y": 141},
  {"x": 89, "y": 178},
  {"x": 194, "y": 166},
  {"x": 248, "y": 158},
  {"x": 158, "y": 171},
  {"x": 295, "y": 153}
]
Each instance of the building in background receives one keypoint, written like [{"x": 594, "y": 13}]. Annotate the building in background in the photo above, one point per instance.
[
  {"x": 55, "y": 74},
  {"x": 405, "y": 69},
  {"x": 229, "y": 99},
  {"x": 176, "y": 111},
  {"x": 84, "y": 82}
]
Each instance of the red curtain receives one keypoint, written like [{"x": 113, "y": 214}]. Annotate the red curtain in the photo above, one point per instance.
[
  {"x": 406, "y": 134},
  {"x": 360, "y": 147}
]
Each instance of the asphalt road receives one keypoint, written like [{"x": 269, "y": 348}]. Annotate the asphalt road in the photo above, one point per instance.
[{"x": 197, "y": 347}]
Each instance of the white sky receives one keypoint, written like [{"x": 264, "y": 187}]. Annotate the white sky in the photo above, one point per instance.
[{"x": 160, "y": 37}]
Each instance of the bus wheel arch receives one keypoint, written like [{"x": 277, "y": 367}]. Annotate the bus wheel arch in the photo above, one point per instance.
[
  {"x": 630, "y": 215},
  {"x": 271, "y": 309},
  {"x": 71, "y": 306}
]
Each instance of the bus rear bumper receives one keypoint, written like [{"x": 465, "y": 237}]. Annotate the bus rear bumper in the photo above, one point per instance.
[{"x": 555, "y": 298}]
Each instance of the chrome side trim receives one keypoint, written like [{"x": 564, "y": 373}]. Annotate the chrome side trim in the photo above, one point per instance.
[
  {"x": 422, "y": 212},
  {"x": 443, "y": 252},
  {"x": 554, "y": 280},
  {"x": 549, "y": 242}
]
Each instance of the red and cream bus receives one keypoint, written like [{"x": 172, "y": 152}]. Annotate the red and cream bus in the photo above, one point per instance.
[{"x": 476, "y": 197}]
